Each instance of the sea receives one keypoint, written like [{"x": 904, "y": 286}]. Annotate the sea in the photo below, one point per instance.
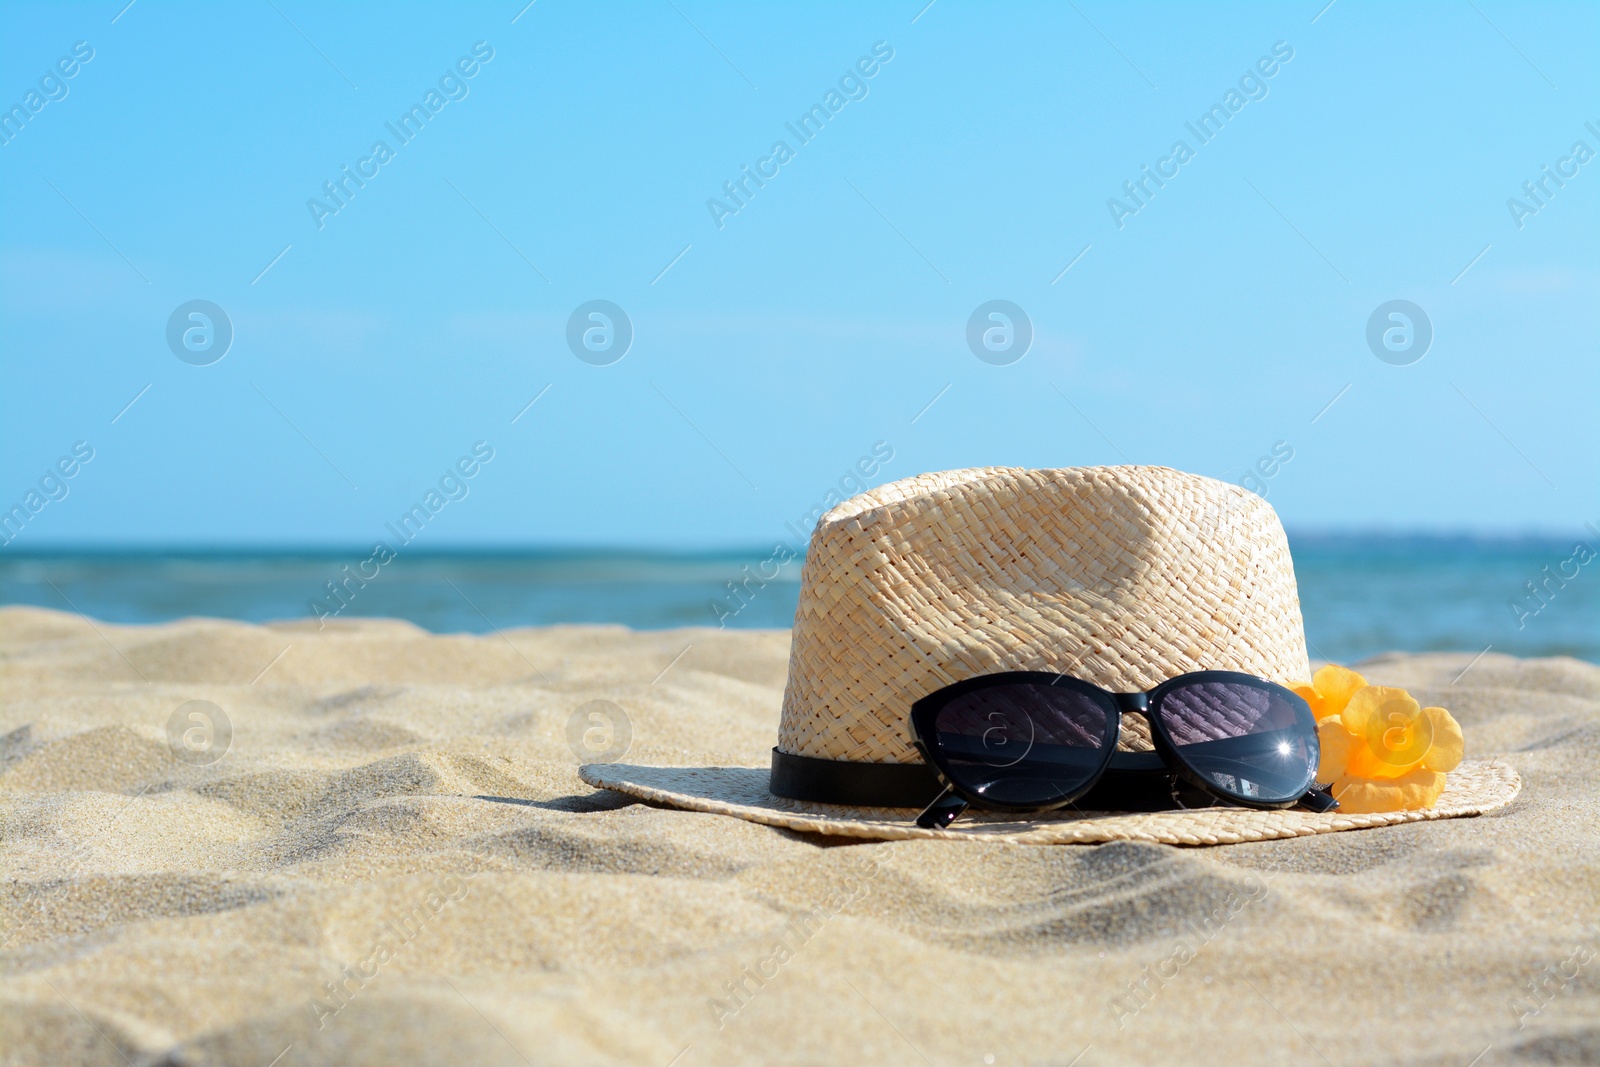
[{"x": 1361, "y": 594}]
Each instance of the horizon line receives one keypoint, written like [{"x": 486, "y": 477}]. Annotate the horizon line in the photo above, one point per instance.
[{"x": 560, "y": 549}]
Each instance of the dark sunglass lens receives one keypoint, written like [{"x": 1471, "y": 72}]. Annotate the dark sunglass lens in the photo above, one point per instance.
[
  {"x": 1251, "y": 741},
  {"x": 1027, "y": 744}
]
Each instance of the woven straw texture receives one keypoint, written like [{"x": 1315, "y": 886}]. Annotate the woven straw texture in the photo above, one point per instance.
[
  {"x": 1122, "y": 576},
  {"x": 1477, "y": 787}
]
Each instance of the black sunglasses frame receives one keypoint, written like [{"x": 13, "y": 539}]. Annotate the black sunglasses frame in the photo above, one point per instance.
[{"x": 946, "y": 808}]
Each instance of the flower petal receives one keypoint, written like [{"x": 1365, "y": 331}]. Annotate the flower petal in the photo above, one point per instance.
[
  {"x": 1448, "y": 744},
  {"x": 1306, "y": 692},
  {"x": 1363, "y": 711},
  {"x": 1395, "y": 734},
  {"x": 1335, "y": 685},
  {"x": 1336, "y": 743},
  {"x": 1362, "y": 796}
]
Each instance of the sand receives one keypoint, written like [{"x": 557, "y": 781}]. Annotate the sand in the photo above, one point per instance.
[{"x": 400, "y": 812}]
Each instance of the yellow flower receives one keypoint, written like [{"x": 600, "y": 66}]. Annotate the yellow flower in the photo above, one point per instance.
[
  {"x": 1362, "y": 796},
  {"x": 1381, "y": 750},
  {"x": 1395, "y": 732},
  {"x": 1330, "y": 690},
  {"x": 1336, "y": 744}
]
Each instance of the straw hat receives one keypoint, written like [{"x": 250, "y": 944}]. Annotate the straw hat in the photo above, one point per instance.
[{"x": 1121, "y": 576}]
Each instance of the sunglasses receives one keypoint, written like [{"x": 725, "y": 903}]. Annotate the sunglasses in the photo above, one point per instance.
[{"x": 1034, "y": 741}]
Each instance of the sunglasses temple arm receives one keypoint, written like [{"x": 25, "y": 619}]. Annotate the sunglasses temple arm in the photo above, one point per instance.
[
  {"x": 945, "y": 809},
  {"x": 1318, "y": 799}
]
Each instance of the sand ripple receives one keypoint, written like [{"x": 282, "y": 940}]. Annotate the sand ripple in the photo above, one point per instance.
[{"x": 395, "y": 862}]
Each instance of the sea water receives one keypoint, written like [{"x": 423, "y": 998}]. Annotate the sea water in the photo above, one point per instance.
[{"x": 1360, "y": 594}]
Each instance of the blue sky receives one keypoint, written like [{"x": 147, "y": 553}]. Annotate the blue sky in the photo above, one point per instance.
[{"x": 775, "y": 347}]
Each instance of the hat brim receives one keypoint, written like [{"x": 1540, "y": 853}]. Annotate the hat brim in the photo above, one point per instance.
[{"x": 1477, "y": 787}]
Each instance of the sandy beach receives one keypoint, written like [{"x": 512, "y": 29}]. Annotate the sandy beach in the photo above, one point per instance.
[{"x": 396, "y": 862}]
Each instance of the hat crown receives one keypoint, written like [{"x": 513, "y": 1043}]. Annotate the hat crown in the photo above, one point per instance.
[{"x": 1121, "y": 576}]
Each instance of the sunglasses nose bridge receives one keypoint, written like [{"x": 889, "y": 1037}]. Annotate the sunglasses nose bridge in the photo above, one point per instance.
[{"x": 1132, "y": 702}]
